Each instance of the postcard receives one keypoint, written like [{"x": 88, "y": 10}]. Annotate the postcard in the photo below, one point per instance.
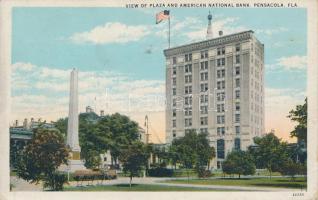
[{"x": 125, "y": 99}]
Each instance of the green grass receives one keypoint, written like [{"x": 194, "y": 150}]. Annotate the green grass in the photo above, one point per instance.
[
  {"x": 299, "y": 182},
  {"x": 136, "y": 187}
]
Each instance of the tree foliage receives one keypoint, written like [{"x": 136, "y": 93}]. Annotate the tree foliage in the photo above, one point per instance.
[
  {"x": 133, "y": 157},
  {"x": 42, "y": 157},
  {"x": 270, "y": 152},
  {"x": 299, "y": 115},
  {"x": 97, "y": 135},
  {"x": 239, "y": 162},
  {"x": 192, "y": 150}
]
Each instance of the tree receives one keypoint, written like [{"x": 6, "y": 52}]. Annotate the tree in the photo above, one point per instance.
[
  {"x": 42, "y": 157},
  {"x": 291, "y": 168},
  {"x": 204, "y": 151},
  {"x": 119, "y": 131},
  {"x": 239, "y": 162},
  {"x": 192, "y": 150},
  {"x": 299, "y": 115},
  {"x": 133, "y": 158},
  {"x": 270, "y": 152}
]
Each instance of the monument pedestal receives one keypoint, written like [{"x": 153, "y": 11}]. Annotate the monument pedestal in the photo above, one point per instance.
[{"x": 74, "y": 163}]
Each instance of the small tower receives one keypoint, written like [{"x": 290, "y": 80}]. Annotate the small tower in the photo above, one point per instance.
[{"x": 209, "y": 34}]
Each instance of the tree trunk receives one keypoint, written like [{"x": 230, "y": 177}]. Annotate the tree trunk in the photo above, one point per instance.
[
  {"x": 130, "y": 181},
  {"x": 188, "y": 175},
  {"x": 239, "y": 176}
]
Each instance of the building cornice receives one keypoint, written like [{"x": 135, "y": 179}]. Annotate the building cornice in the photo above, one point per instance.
[{"x": 209, "y": 43}]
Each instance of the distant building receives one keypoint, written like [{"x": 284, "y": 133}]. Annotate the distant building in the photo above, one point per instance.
[
  {"x": 217, "y": 87},
  {"x": 21, "y": 135}
]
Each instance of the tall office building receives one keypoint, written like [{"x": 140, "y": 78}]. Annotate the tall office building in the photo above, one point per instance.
[{"x": 217, "y": 86}]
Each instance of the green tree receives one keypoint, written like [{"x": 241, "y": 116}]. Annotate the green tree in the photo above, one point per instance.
[
  {"x": 239, "y": 162},
  {"x": 42, "y": 157},
  {"x": 133, "y": 157},
  {"x": 119, "y": 131},
  {"x": 291, "y": 168},
  {"x": 299, "y": 115},
  {"x": 270, "y": 152},
  {"x": 204, "y": 151}
]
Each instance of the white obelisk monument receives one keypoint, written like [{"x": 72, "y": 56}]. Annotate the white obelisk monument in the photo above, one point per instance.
[{"x": 75, "y": 162}]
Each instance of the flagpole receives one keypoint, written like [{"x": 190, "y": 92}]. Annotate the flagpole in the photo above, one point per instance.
[{"x": 169, "y": 32}]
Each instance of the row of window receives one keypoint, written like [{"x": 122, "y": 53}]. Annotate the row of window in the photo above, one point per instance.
[
  {"x": 204, "y": 66},
  {"x": 221, "y": 130},
  {"x": 204, "y": 87},
  {"x": 205, "y": 54},
  {"x": 220, "y": 119}
]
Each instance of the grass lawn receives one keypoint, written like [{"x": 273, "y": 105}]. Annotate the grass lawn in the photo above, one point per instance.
[
  {"x": 136, "y": 187},
  {"x": 299, "y": 182}
]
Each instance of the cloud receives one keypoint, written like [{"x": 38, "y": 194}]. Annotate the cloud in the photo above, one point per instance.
[
  {"x": 270, "y": 32},
  {"x": 111, "y": 32},
  {"x": 293, "y": 62},
  {"x": 43, "y": 92}
]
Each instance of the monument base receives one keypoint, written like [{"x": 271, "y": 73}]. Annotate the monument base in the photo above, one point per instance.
[{"x": 72, "y": 166}]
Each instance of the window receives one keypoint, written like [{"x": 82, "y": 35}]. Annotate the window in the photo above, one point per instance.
[
  {"x": 220, "y": 96},
  {"x": 220, "y": 148},
  {"x": 188, "y": 79},
  {"x": 174, "y": 70},
  {"x": 220, "y": 73},
  {"x": 237, "y": 94},
  {"x": 174, "y": 123},
  {"x": 221, "y": 130},
  {"x": 237, "y": 118},
  {"x": 237, "y": 144},
  {"x": 220, "y": 119},
  {"x": 237, "y": 82},
  {"x": 204, "y": 109},
  {"x": 174, "y": 91},
  {"x": 237, "y": 59},
  {"x": 221, "y": 51},
  {"x": 204, "y": 120},
  {"x": 237, "y": 130},
  {"x": 174, "y": 102},
  {"x": 220, "y": 108},
  {"x": 237, "y": 47},
  {"x": 204, "y": 76},
  {"x": 188, "y": 100},
  {"x": 188, "y": 89},
  {"x": 174, "y": 81},
  {"x": 188, "y": 68},
  {"x": 220, "y": 62},
  {"x": 188, "y": 57},
  {"x": 174, "y": 133},
  {"x": 204, "y": 54},
  {"x": 188, "y": 111},
  {"x": 204, "y": 87},
  {"x": 237, "y": 70},
  {"x": 174, "y": 112},
  {"x": 188, "y": 122},
  {"x": 174, "y": 60},
  {"x": 237, "y": 106},
  {"x": 220, "y": 85},
  {"x": 204, "y": 98}
]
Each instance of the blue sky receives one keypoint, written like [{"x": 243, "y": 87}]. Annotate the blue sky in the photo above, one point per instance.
[{"x": 48, "y": 42}]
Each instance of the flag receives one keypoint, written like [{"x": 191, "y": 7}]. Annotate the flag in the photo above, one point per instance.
[{"x": 162, "y": 16}]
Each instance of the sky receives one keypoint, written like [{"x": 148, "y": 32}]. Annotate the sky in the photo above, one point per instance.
[{"x": 119, "y": 55}]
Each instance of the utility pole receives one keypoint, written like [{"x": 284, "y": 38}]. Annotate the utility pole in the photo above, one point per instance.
[{"x": 147, "y": 133}]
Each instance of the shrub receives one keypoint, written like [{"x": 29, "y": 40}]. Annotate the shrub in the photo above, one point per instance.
[
  {"x": 160, "y": 172},
  {"x": 55, "y": 181},
  {"x": 203, "y": 173}
]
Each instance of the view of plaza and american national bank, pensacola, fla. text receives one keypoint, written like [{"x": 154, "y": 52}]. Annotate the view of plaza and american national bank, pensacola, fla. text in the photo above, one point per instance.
[{"x": 159, "y": 99}]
